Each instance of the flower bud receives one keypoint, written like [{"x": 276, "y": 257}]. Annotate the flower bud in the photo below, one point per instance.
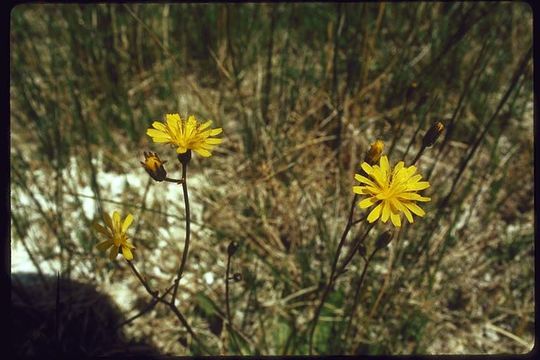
[
  {"x": 154, "y": 166},
  {"x": 362, "y": 250},
  {"x": 412, "y": 89},
  {"x": 384, "y": 239},
  {"x": 185, "y": 157},
  {"x": 432, "y": 134},
  {"x": 374, "y": 153},
  {"x": 233, "y": 246}
]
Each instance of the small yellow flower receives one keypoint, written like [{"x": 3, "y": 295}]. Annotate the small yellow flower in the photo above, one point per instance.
[
  {"x": 115, "y": 232},
  {"x": 374, "y": 153},
  {"x": 185, "y": 134},
  {"x": 154, "y": 166},
  {"x": 392, "y": 191}
]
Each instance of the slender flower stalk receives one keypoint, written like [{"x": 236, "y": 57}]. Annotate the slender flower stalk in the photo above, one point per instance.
[
  {"x": 171, "y": 305},
  {"x": 372, "y": 155},
  {"x": 357, "y": 295},
  {"x": 332, "y": 275},
  {"x": 382, "y": 241},
  {"x": 188, "y": 231},
  {"x": 230, "y": 252}
]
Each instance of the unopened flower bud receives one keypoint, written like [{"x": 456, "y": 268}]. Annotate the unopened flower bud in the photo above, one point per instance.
[
  {"x": 412, "y": 89},
  {"x": 374, "y": 153},
  {"x": 237, "y": 277},
  {"x": 154, "y": 166},
  {"x": 384, "y": 239},
  {"x": 432, "y": 134},
  {"x": 185, "y": 157},
  {"x": 233, "y": 246},
  {"x": 362, "y": 250}
]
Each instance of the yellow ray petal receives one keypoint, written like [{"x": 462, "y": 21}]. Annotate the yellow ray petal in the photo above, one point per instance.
[
  {"x": 127, "y": 253},
  {"x": 415, "y": 178},
  {"x": 385, "y": 166},
  {"x": 216, "y": 131},
  {"x": 379, "y": 177},
  {"x": 202, "y": 152},
  {"x": 127, "y": 221},
  {"x": 364, "y": 180},
  {"x": 129, "y": 244},
  {"x": 101, "y": 229},
  {"x": 413, "y": 196},
  {"x": 205, "y": 125},
  {"x": 396, "y": 220},
  {"x": 113, "y": 252},
  {"x": 181, "y": 150},
  {"x": 385, "y": 211},
  {"x": 157, "y": 133},
  {"x": 108, "y": 221},
  {"x": 191, "y": 124},
  {"x": 366, "y": 167},
  {"x": 213, "y": 141},
  {"x": 414, "y": 208},
  {"x": 403, "y": 209},
  {"x": 159, "y": 126},
  {"x": 421, "y": 185},
  {"x": 409, "y": 172},
  {"x": 398, "y": 168},
  {"x": 102, "y": 246},
  {"x": 367, "y": 202},
  {"x": 116, "y": 221},
  {"x": 374, "y": 214},
  {"x": 173, "y": 123}
]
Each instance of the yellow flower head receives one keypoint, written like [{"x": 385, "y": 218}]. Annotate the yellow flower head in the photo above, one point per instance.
[
  {"x": 374, "y": 153},
  {"x": 392, "y": 191},
  {"x": 115, "y": 232},
  {"x": 154, "y": 166},
  {"x": 185, "y": 134}
]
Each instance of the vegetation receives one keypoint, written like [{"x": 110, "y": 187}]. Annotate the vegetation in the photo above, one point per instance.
[{"x": 300, "y": 91}]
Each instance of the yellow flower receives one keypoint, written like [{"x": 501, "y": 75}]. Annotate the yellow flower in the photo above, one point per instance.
[
  {"x": 185, "y": 134},
  {"x": 115, "y": 232},
  {"x": 392, "y": 191}
]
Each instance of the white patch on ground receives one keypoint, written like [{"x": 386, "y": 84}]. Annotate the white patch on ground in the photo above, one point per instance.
[
  {"x": 88, "y": 204},
  {"x": 20, "y": 260},
  {"x": 209, "y": 278},
  {"x": 122, "y": 294}
]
